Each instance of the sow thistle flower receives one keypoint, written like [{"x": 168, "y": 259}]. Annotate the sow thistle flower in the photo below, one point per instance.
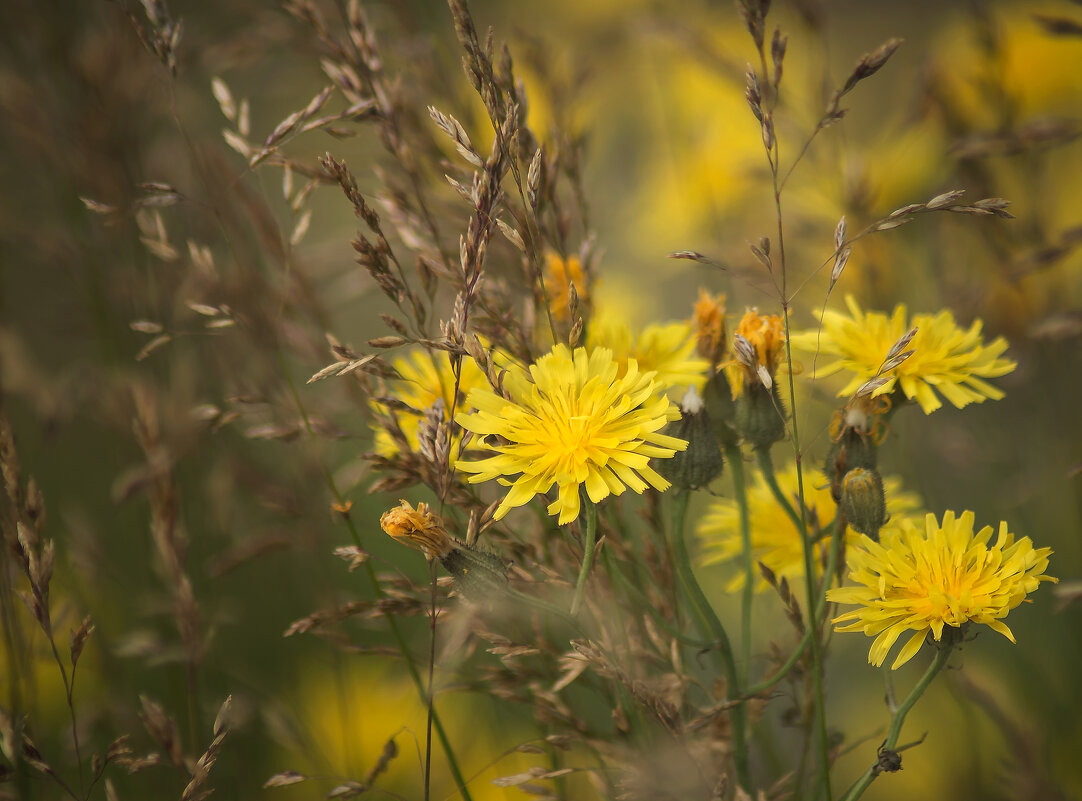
[
  {"x": 775, "y": 540},
  {"x": 921, "y": 579},
  {"x": 667, "y": 349},
  {"x": 945, "y": 358},
  {"x": 426, "y": 381},
  {"x": 573, "y": 422}
]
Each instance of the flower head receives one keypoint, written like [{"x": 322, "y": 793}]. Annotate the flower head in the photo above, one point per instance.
[
  {"x": 775, "y": 540},
  {"x": 666, "y": 349},
  {"x": 920, "y": 578},
  {"x": 759, "y": 341},
  {"x": 572, "y": 422},
  {"x": 945, "y": 359},
  {"x": 427, "y": 382},
  {"x": 560, "y": 274},
  {"x": 418, "y": 528},
  {"x": 708, "y": 321}
]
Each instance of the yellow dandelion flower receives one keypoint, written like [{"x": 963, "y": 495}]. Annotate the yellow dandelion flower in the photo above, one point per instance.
[
  {"x": 417, "y": 528},
  {"x": 426, "y": 380},
  {"x": 560, "y": 274},
  {"x": 946, "y": 359},
  {"x": 921, "y": 578},
  {"x": 708, "y": 322},
  {"x": 766, "y": 336},
  {"x": 775, "y": 540},
  {"x": 573, "y": 422},
  {"x": 666, "y": 349}
]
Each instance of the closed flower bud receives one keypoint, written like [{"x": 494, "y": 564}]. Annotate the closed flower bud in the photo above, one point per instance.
[
  {"x": 701, "y": 463},
  {"x": 759, "y": 415},
  {"x": 863, "y": 501},
  {"x": 478, "y": 574}
]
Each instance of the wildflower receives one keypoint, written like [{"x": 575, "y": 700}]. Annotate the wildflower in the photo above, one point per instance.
[
  {"x": 775, "y": 539},
  {"x": 708, "y": 321},
  {"x": 757, "y": 344},
  {"x": 921, "y": 578},
  {"x": 667, "y": 349},
  {"x": 945, "y": 358},
  {"x": 427, "y": 382},
  {"x": 766, "y": 337},
  {"x": 573, "y": 423},
  {"x": 560, "y": 274},
  {"x": 418, "y": 528}
]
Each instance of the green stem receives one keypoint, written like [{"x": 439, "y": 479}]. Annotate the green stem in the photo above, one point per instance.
[
  {"x": 736, "y": 466},
  {"x": 820, "y": 612},
  {"x": 766, "y": 465},
  {"x": 370, "y": 571},
  {"x": 896, "y": 722},
  {"x": 588, "y": 553},
  {"x": 712, "y": 626},
  {"x": 646, "y": 604}
]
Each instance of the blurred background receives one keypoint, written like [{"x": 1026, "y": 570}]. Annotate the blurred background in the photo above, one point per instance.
[{"x": 177, "y": 235}]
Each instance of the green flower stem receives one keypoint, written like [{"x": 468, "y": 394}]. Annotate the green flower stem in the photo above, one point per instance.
[
  {"x": 588, "y": 552},
  {"x": 896, "y": 722},
  {"x": 736, "y": 466},
  {"x": 713, "y": 628},
  {"x": 766, "y": 465},
  {"x": 647, "y": 605},
  {"x": 820, "y": 613},
  {"x": 396, "y": 632}
]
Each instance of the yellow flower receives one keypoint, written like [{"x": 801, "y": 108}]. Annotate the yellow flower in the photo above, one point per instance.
[
  {"x": 766, "y": 336},
  {"x": 708, "y": 321},
  {"x": 920, "y": 579},
  {"x": 775, "y": 540},
  {"x": 945, "y": 358},
  {"x": 572, "y": 422},
  {"x": 667, "y": 349},
  {"x": 560, "y": 274},
  {"x": 426, "y": 380},
  {"x": 418, "y": 528}
]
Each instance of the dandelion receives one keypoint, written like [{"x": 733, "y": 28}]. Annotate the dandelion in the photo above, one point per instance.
[
  {"x": 573, "y": 423},
  {"x": 708, "y": 322},
  {"x": 427, "y": 381},
  {"x": 945, "y": 359},
  {"x": 667, "y": 350},
  {"x": 560, "y": 274},
  {"x": 775, "y": 539},
  {"x": 920, "y": 579}
]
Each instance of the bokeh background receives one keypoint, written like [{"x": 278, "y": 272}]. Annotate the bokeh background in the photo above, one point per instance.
[{"x": 982, "y": 96}]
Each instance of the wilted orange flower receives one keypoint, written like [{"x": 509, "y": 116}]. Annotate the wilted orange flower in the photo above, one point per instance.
[
  {"x": 418, "y": 528},
  {"x": 708, "y": 320}
]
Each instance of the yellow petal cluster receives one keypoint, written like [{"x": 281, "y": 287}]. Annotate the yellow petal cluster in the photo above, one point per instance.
[
  {"x": 922, "y": 578},
  {"x": 946, "y": 359},
  {"x": 573, "y": 422},
  {"x": 666, "y": 349},
  {"x": 426, "y": 379},
  {"x": 775, "y": 539}
]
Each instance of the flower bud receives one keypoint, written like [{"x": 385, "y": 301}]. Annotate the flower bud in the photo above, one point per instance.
[
  {"x": 478, "y": 574},
  {"x": 701, "y": 463},
  {"x": 863, "y": 501},
  {"x": 759, "y": 415}
]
